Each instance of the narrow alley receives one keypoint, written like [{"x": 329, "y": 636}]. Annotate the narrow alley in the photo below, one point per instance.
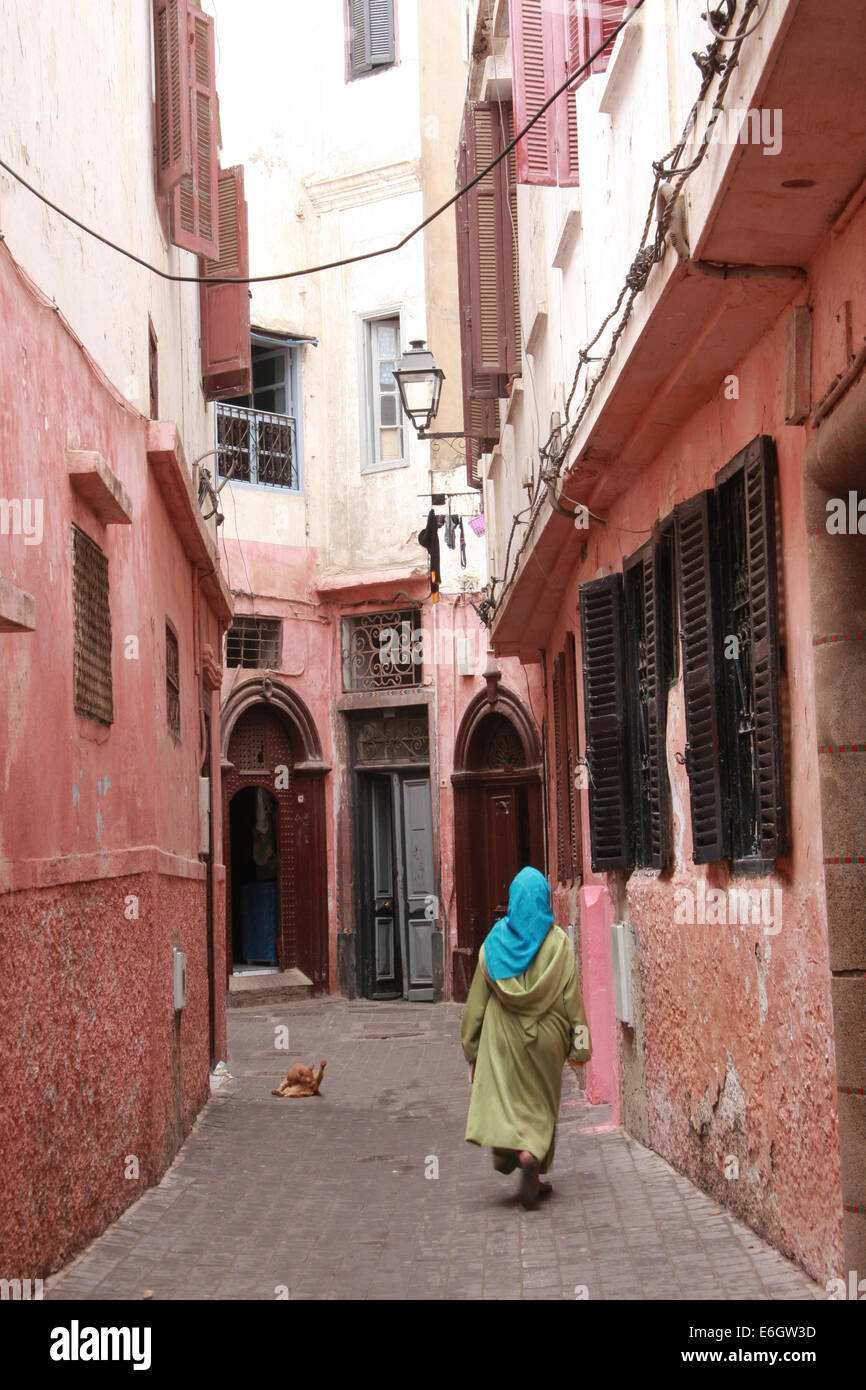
[{"x": 337, "y": 1196}]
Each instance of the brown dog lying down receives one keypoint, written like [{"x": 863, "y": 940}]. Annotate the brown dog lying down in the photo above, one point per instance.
[{"x": 301, "y": 1081}]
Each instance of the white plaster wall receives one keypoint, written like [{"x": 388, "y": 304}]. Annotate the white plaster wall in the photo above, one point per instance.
[
  {"x": 307, "y": 129},
  {"x": 658, "y": 86},
  {"x": 76, "y": 120}
]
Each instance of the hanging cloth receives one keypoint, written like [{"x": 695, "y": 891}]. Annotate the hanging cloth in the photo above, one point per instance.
[
  {"x": 450, "y": 528},
  {"x": 462, "y": 543},
  {"x": 429, "y": 538}
]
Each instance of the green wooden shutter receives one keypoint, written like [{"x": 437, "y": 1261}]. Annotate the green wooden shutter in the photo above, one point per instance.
[
  {"x": 601, "y": 621},
  {"x": 705, "y": 760}
]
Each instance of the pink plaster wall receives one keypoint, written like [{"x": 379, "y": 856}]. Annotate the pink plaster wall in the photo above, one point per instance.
[
  {"x": 732, "y": 1052},
  {"x": 284, "y": 580},
  {"x": 96, "y": 1064}
]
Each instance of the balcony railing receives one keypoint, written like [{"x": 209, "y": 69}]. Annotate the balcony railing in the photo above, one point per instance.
[{"x": 255, "y": 446}]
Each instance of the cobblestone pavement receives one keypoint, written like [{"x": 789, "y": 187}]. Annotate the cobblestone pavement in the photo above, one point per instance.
[{"x": 328, "y": 1198}]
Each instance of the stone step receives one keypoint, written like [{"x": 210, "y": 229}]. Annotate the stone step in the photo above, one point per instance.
[{"x": 250, "y": 991}]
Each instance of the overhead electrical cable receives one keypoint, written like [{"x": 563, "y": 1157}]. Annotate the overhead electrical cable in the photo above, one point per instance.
[{"x": 347, "y": 260}]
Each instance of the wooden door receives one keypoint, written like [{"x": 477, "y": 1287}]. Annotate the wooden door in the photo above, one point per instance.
[
  {"x": 419, "y": 879},
  {"x": 503, "y": 849}
]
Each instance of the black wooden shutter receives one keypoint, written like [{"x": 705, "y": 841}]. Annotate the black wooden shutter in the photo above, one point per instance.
[
  {"x": 758, "y": 801},
  {"x": 705, "y": 762},
  {"x": 601, "y": 620},
  {"x": 658, "y": 836},
  {"x": 560, "y": 730}
]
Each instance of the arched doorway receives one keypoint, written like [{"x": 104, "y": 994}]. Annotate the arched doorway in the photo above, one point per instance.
[
  {"x": 274, "y": 825},
  {"x": 498, "y": 819}
]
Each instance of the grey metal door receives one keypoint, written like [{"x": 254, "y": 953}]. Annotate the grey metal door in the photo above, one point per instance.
[{"x": 420, "y": 883}]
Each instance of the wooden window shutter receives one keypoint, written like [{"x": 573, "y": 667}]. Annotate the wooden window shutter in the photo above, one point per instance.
[
  {"x": 705, "y": 763},
  {"x": 601, "y": 620},
  {"x": 226, "y": 354},
  {"x": 646, "y": 615},
  {"x": 560, "y": 744},
  {"x": 572, "y": 741},
  {"x": 480, "y": 407},
  {"x": 492, "y": 270},
  {"x": 359, "y": 60},
  {"x": 570, "y": 175},
  {"x": 194, "y": 199},
  {"x": 532, "y": 58},
  {"x": 380, "y": 31},
  {"x": 173, "y": 150},
  {"x": 747, "y": 540},
  {"x": 599, "y": 19}
]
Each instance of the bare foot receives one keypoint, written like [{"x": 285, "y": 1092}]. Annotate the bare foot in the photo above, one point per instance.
[{"x": 529, "y": 1189}]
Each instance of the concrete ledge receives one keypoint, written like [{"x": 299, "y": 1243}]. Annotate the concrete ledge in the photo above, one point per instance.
[
  {"x": 17, "y": 609},
  {"x": 99, "y": 488}
]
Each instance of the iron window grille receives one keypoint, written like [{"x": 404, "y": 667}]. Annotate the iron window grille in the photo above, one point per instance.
[
  {"x": 382, "y": 651},
  {"x": 257, "y": 446},
  {"x": 254, "y": 643},
  {"x": 258, "y": 435},
  {"x": 92, "y": 647},
  {"x": 172, "y": 682}
]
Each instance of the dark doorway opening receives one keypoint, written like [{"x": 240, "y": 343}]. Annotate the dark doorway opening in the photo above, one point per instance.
[{"x": 255, "y": 916}]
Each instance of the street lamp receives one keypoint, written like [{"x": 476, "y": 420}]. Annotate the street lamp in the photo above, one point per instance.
[{"x": 419, "y": 382}]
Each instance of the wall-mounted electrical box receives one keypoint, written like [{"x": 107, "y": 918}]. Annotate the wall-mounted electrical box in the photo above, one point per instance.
[
  {"x": 465, "y": 649},
  {"x": 179, "y": 965},
  {"x": 621, "y": 959}
]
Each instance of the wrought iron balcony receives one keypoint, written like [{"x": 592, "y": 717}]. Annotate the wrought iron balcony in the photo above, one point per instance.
[{"x": 256, "y": 446}]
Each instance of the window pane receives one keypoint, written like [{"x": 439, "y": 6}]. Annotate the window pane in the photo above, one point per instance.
[
  {"x": 389, "y": 445},
  {"x": 389, "y": 410},
  {"x": 388, "y": 339},
  {"x": 386, "y": 373}
]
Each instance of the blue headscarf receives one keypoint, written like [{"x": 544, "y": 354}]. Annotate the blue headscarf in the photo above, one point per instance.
[{"x": 514, "y": 941}]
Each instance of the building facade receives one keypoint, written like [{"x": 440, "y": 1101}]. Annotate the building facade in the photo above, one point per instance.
[
  {"x": 113, "y": 607},
  {"x": 664, "y": 324},
  {"x": 349, "y": 680}
]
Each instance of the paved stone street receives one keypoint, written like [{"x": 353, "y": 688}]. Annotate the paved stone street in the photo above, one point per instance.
[{"x": 328, "y": 1197}]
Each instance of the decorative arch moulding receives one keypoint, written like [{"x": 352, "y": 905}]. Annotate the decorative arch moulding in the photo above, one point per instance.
[{"x": 265, "y": 690}]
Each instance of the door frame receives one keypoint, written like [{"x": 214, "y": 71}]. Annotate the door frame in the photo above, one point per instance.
[{"x": 467, "y": 781}]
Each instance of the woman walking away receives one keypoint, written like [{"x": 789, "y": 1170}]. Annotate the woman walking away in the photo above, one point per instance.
[{"x": 523, "y": 1020}]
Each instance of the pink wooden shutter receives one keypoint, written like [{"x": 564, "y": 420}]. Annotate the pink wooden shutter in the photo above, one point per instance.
[
  {"x": 492, "y": 275},
  {"x": 600, "y": 18},
  {"x": 226, "y": 366},
  {"x": 173, "y": 150},
  {"x": 194, "y": 200},
  {"x": 532, "y": 60}
]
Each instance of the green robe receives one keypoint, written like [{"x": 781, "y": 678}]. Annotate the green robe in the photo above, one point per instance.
[{"x": 520, "y": 1032}]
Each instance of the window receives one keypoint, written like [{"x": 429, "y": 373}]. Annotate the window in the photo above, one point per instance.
[
  {"x": 258, "y": 438},
  {"x": 254, "y": 643},
  {"x": 384, "y": 412},
  {"x": 565, "y": 745},
  {"x": 172, "y": 682},
  {"x": 186, "y": 122},
  {"x": 383, "y": 651},
  {"x": 371, "y": 36},
  {"x": 92, "y": 645},
  {"x": 726, "y": 546}
]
